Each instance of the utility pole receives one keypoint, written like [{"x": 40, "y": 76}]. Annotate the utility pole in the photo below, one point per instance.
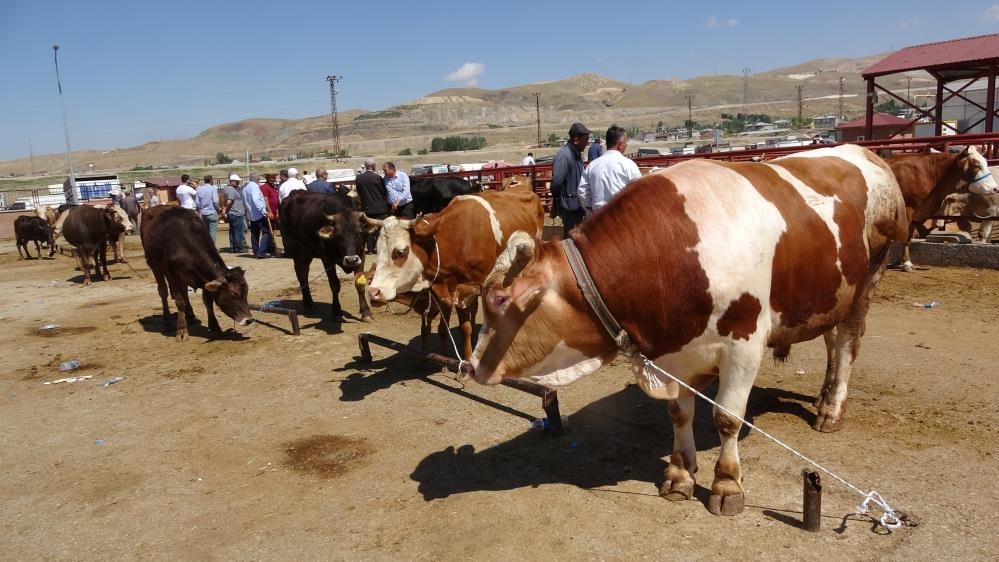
[
  {"x": 801, "y": 103},
  {"x": 537, "y": 106},
  {"x": 333, "y": 79},
  {"x": 71, "y": 194},
  {"x": 690, "y": 115},
  {"x": 745, "y": 85},
  {"x": 842, "y": 91},
  {"x": 908, "y": 89}
]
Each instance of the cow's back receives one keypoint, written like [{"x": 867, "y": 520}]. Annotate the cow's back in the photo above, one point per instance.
[
  {"x": 917, "y": 176},
  {"x": 474, "y": 229},
  {"x": 85, "y": 226},
  {"x": 171, "y": 235},
  {"x": 705, "y": 240}
]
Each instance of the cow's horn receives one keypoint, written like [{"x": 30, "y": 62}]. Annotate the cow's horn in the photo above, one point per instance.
[
  {"x": 373, "y": 222},
  {"x": 518, "y": 253}
]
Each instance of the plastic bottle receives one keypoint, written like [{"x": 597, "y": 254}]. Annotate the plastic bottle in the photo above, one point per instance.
[
  {"x": 542, "y": 424},
  {"x": 931, "y": 304},
  {"x": 69, "y": 365},
  {"x": 49, "y": 328}
]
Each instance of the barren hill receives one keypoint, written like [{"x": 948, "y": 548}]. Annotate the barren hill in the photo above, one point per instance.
[{"x": 506, "y": 117}]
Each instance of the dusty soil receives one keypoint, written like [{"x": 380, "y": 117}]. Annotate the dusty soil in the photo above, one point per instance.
[{"x": 266, "y": 445}]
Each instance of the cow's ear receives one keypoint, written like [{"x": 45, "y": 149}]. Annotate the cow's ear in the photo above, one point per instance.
[
  {"x": 326, "y": 232},
  {"x": 498, "y": 301},
  {"x": 213, "y": 286},
  {"x": 422, "y": 227}
]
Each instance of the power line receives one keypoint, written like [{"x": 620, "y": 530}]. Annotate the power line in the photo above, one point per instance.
[
  {"x": 690, "y": 115},
  {"x": 333, "y": 79}
]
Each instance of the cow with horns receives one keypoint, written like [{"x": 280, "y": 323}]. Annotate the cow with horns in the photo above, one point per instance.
[{"x": 703, "y": 266}]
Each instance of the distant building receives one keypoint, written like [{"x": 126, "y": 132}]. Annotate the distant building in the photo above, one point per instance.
[
  {"x": 782, "y": 123},
  {"x": 885, "y": 127},
  {"x": 825, "y": 122},
  {"x": 165, "y": 188},
  {"x": 761, "y": 126}
]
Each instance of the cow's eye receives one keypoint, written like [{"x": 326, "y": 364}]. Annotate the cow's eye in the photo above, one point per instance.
[{"x": 400, "y": 253}]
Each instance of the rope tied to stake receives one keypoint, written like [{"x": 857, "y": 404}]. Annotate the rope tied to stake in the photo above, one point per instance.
[{"x": 890, "y": 519}]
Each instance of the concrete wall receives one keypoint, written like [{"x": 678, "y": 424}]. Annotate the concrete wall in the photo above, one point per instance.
[{"x": 979, "y": 255}]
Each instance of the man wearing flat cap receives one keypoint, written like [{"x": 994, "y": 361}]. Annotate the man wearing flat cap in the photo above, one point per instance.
[{"x": 567, "y": 169}]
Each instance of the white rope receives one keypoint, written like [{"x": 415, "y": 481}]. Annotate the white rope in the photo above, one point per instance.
[
  {"x": 462, "y": 363},
  {"x": 889, "y": 519}
]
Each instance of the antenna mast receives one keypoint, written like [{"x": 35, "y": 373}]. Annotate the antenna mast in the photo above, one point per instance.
[{"x": 333, "y": 79}]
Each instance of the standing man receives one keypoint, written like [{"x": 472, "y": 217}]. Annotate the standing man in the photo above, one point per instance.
[
  {"x": 290, "y": 184},
  {"x": 321, "y": 185},
  {"x": 131, "y": 205},
  {"x": 608, "y": 174},
  {"x": 596, "y": 151},
  {"x": 235, "y": 214},
  {"x": 258, "y": 215},
  {"x": 528, "y": 160},
  {"x": 374, "y": 198},
  {"x": 567, "y": 170},
  {"x": 273, "y": 208},
  {"x": 154, "y": 200},
  {"x": 208, "y": 206},
  {"x": 400, "y": 199},
  {"x": 186, "y": 195}
]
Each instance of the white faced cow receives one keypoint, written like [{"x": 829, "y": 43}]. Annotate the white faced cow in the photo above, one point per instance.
[{"x": 705, "y": 264}]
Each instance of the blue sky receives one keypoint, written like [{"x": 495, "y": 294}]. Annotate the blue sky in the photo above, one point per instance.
[{"x": 134, "y": 72}]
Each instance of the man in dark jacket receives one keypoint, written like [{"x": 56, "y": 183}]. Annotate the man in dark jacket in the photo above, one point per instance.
[
  {"x": 567, "y": 169},
  {"x": 374, "y": 197}
]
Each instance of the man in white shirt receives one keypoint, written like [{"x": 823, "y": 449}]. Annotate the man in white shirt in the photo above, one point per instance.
[
  {"x": 291, "y": 184},
  {"x": 608, "y": 174},
  {"x": 186, "y": 194},
  {"x": 528, "y": 160}
]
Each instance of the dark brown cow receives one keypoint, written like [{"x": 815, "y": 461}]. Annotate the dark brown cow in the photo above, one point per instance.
[
  {"x": 33, "y": 229},
  {"x": 181, "y": 254},
  {"x": 89, "y": 230},
  {"x": 705, "y": 264},
  {"x": 926, "y": 179},
  {"x": 451, "y": 252}
]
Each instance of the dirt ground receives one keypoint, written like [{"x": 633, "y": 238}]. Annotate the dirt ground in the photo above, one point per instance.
[{"x": 265, "y": 445}]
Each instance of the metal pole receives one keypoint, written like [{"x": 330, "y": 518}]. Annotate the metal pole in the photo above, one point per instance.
[
  {"x": 811, "y": 500},
  {"x": 537, "y": 105},
  {"x": 71, "y": 196},
  {"x": 868, "y": 111},
  {"x": 690, "y": 116},
  {"x": 333, "y": 79},
  {"x": 990, "y": 99},
  {"x": 247, "y": 164}
]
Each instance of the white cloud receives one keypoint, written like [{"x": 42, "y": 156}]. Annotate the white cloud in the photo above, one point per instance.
[
  {"x": 468, "y": 73},
  {"x": 712, "y": 22},
  {"x": 732, "y": 22},
  {"x": 906, "y": 24},
  {"x": 992, "y": 14}
]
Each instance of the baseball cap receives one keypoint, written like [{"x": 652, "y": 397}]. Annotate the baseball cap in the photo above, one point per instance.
[
  {"x": 578, "y": 129},
  {"x": 292, "y": 172},
  {"x": 234, "y": 177}
]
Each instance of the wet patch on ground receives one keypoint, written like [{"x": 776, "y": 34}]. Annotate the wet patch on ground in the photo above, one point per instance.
[{"x": 326, "y": 456}]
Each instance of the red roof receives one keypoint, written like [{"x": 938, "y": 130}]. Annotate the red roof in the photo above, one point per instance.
[
  {"x": 965, "y": 52},
  {"x": 162, "y": 181},
  {"x": 880, "y": 120}
]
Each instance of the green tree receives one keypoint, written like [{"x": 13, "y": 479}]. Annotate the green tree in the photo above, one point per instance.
[
  {"x": 221, "y": 158},
  {"x": 552, "y": 138},
  {"x": 421, "y": 151},
  {"x": 406, "y": 152}
]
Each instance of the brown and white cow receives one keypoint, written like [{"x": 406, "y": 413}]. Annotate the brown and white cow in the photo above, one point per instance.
[
  {"x": 705, "y": 264},
  {"x": 926, "y": 179},
  {"x": 451, "y": 252}
]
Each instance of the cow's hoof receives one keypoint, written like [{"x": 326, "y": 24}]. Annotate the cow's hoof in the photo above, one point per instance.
[
  {"x": 677, "y": 491},
  {"x": 367, "y": 318},
  {"x": 727, "y": 505},
  {"x": 181, "y": 335},
  {"x": 827, "y": 424}
]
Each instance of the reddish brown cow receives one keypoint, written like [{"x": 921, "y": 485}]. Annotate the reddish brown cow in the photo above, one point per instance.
[
  {"x": 704, "y": 264},
  {"x": 926, "y": 179},
  {"x": 451, "y": 252}
]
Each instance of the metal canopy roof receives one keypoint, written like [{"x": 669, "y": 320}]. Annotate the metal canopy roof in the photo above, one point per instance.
[{"x": 951, "y": 60}]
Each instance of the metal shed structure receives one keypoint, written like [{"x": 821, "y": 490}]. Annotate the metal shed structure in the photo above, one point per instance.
[{"x": 963, "y": 61}]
